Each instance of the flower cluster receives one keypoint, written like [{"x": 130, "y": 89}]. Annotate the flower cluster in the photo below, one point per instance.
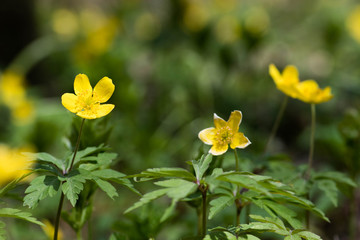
[{"x": 307, "y": 91}]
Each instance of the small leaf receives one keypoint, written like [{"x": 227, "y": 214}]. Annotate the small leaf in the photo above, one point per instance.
[
  {"x": 2, "y": 231},
  {"x": 16, "y": 213},
  {"x": 169, "y": 210},
  {"x": 45, "y": 157},
  {"x": 107, "y": 188},
  {"x": 202, "y": 165},
  {"x": 309, "y": 235},
  {"x": 177, "y": 188},
  {"x": 40, "y": 188},
  {"x": 154, "y": 173},
  {"x": 74, "y": 183},
  {"x": 337, "y": 177},
  {"x": 218, "y": 204},
  {"x": 330, "y": 190},
  {"x": 148, "y": 197}
]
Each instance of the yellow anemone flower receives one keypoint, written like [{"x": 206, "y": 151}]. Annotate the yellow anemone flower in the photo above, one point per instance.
[
  {"x": 310, "y": 92},
  {"x": 224, "y": 133},
  {"x": 86, "y": 102},
  {"x": 287, "y": 81}
]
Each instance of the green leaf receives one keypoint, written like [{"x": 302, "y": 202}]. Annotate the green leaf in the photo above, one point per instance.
[
  {"x": 115, "y": 176},
  {"x": 2, "y": 231},
  {"x": 148, "y": 197},
  {"x": 201, "y": 166},
  {"x": 218, "y": 204},
  {"x": 103, "y": 159},
  {"x": 16, "y": 213},
  {"x": 11, "y": 185},
  {"x": 293, "y": 237},
  {"x": 309, "y": 235},
  {"x": 177, "y": 188},
  {"x": 330, "y": 190},
  {"x": 46, "y": 157},
  {"x": 107, "y": 188},
  {"x": 170, "y": 210},
  {"x": 337, "y": 177},
  {"x": 85, "y": 152},
  {"x": 40, "y": 188},
  {"x": 74, "y": 183},
  {"x": 154, "y": 173}
]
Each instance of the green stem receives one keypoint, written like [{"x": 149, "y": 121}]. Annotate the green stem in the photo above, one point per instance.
[
  {"x": 236, "y": 160},
  {"x": 312, "y": 140},
  {"x": 57, "y": 220},
  {"x": 203, "y": 190},
  {"x": 277, "y": 123},
  {"x": 58, "y": 214},
  {"x": 77, "y": 145},
  {"x": 79, "y": 235}
]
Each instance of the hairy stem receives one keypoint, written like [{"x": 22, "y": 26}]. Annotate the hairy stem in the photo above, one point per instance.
[
  {"x": 58, "y": 214},
  {"x": 277, "y": 123},
  {"x": 312, "y": 141}
]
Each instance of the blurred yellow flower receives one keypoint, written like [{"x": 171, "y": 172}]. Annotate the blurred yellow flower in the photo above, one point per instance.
[
  {"x": 353, "y": 23},
  {"x": 12, "y": 163},
  {"x": 196, "y": 15},
  {"x": 310, "y": 92},
  {"x": 65, "y": 23},
  {"x": 86, "y": 102},
  {"x": 228, "y": 29},
  {"x": 224, "y": 133},
  {"x": 12, "y": 88},
  {"x": 287, "y": 81},
  {"x": 49, "y": 229}
]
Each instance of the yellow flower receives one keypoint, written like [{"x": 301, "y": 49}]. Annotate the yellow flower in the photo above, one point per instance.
[
  {"x": 49, "y": 229},
  {"x": 224, "y": 133},
  {"x": 310, "y": 92},
  {"x": 287, "y": 81},
  {"x": 353, "y": 22},
  {"x": 12, "y": 163},
  {"x": 86, "y": 102}
]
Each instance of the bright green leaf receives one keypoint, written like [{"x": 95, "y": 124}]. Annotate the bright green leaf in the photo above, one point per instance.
[
  {"x": 107, "y": 188},
  {"x": 148, "y": 197},
  {"x": 16, "y": 213}
]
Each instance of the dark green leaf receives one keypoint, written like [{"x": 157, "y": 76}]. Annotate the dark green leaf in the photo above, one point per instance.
[
  {"x": 40, "y": 188},
  {"x": 16, "y": 213},
  {"x": 45, "y": 157},
  {"x": 330, "y": 190}
]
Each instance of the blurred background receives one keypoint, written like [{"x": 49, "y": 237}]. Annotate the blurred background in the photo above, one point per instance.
[{"x": 174, "y": 64}]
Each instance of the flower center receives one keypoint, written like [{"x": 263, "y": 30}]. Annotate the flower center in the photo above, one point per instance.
[
  {"x": 224, "y": 135},
  {"x": 86, "y": 103}
]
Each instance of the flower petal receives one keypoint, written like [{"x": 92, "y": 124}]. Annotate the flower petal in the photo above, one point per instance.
[
  {"x": 290, "y": 75},
  {"x": 82, "y": 85},
  {"x": 207, "y": 135},
  {"x": 103, "y": 90},
  {"x": 239, "y": 141},
  {"x": 275, "y": 74},
  {"x": 218, "y": 149},
  {"x": 69, "y": 101},
  {"x": 96, "y": 111},
  {"x": 219, "y": 122},
  {"x": 235, "y": 120}
]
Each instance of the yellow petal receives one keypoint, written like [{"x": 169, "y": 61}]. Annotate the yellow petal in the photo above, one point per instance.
[
  {"x": 308, "y": 91},
  {"x": 69, "y": 101},
  {"x": 218, "y": 149},
  {"x": 239, "y": 141},
  {"x": 103, "y": 90},
  {"x": 219, "y": 122},
  {"x": 275, "y": 74},
  {"x": 207, "y": 135},
  {"x": 82, "y": 85},
  {"x": 290, "y": 75},
  {"x": 235, "y": 120},
  {"x": 96, "y": 111}
]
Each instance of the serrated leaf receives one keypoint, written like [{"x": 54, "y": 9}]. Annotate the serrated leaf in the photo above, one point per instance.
[
  {"x": 309, "y": 235},
  {"x": 154, "y": 173},
  {"x": 16, "y": 213},
  {"x": 218, "y": 204},
  {"x": 293, "y": 237},
  {"x": 107, "y": 188},
  {"x": 202, "y": 165},
  {"x": 115, "y": 176},
  {"x": 40, "y": 188},
  {"x": 148, "y": 197},
  {"x": 275, "y": 221},
  {"x": 46, "y": 157},
  {"x": 74, "y": 183},
  {"x": 177, "y": 188},
  {"x": 85, "y": 152},
  {"x": 330, "y": 190},
  {"x": 103, "y": 159},
  {"x": 170, "y": 210}
]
